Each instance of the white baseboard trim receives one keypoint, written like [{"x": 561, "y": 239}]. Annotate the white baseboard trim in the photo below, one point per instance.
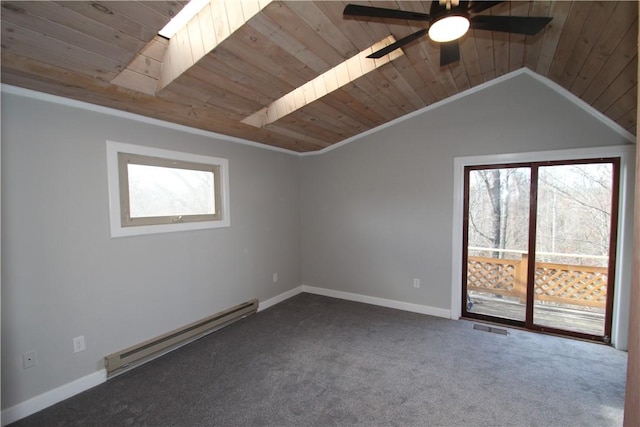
[
  {"x": 52, "y": 397},
  {"x": 263, "y": 305},
  {"x": 383, "y": 302},
  {"x": 49, "y": 398}
]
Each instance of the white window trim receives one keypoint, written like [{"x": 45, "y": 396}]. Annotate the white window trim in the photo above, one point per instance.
[
  {"x": 117, "y": 230},
  {"x": 624, "y": 249}
]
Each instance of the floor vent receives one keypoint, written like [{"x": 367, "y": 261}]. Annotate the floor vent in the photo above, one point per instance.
[
  {"x": 486, "y": 328},
  {"x": 133, "y": 356}
]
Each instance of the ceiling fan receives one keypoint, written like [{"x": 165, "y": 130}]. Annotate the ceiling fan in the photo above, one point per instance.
[{"x": 448, "y": 21}]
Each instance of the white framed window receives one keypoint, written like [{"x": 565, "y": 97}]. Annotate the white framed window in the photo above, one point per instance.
[{"x": 157, "y": 191}]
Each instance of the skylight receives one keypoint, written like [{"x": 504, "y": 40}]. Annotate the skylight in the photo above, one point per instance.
[
  {"x": 182, "y": 18},
  {"x": 333, "y": 79}
]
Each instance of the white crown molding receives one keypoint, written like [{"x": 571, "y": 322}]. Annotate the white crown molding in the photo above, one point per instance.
[
  {"x": 55, "y": 99},
  {"x": 143, "y": 119},
  {"x": 583, "y": 105},
  {"x": 553, "y": 86}
]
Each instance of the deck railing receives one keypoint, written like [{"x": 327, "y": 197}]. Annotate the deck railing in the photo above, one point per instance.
[{"x": 555, "y": 283}]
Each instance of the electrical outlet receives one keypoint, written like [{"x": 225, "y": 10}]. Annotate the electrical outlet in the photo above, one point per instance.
[
  {"x": 29, "y": 359},
  {"x": 78, "y": 344},
  {"x": 275, "y": 277},
  {"x": 416, "y": 283}
]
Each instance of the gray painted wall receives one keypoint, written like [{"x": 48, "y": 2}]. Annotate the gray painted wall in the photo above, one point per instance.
[
  {"x": 377, "y": 212},
  {"x": 365, "y": 218},
  {"x": 63, "y": 276}
]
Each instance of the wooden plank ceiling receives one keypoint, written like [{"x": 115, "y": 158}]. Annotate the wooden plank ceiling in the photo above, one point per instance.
[{"x": 108, "y": 53}]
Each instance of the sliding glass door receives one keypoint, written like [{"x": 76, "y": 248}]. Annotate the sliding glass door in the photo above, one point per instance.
[
  {"x": 539, "y": 245},
  {"x": 574, "y": 216}
]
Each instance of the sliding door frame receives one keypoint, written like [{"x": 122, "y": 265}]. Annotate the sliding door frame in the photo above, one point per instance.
[
  {"x": 465, "y": 238},
  {"x": 623, "y": 249},
  {"x": 613, "y": 246}
]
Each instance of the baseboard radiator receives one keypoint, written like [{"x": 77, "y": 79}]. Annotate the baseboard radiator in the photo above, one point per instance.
[{"x": 136, "y": 355}]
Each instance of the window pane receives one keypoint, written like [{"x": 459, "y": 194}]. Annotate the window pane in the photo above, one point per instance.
[
  {"x": 498, "y": 236},
  {"x": 161, "y": 191},
  {"x": 572, "y": 247}
]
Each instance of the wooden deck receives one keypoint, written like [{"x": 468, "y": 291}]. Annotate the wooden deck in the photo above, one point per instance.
[{"x": 584, "y": 320}]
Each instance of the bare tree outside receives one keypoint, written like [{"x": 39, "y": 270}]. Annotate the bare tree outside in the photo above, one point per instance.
[
  {"x": 162, "y": 191},
  {"x": 574, "y": 210},
  {"x": 574, "y": 205},
  {"x": 499, "y": 211}
]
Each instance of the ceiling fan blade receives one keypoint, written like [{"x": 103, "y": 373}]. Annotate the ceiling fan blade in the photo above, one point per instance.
[
  {"x": 393, "y": 46},
  {"x": 528, "y": 25},
  {"x": 480, "y": 6},
  {"x": 449, "y": 53},
  {"x": 379, "y": 12}
]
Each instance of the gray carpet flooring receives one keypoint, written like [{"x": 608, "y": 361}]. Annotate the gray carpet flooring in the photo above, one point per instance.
[{"x": 318, "y": 361}]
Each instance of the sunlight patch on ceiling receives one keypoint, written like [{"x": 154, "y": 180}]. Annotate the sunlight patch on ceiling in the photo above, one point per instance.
[
  {"x": 213, "y": 24},
  {"x": 333, "y": 79},
  {"x": 182, "y": 18},
  {"x": 195, "y": 31}
]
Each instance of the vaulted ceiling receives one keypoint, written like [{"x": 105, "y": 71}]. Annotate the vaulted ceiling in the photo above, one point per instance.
[{"x": 237, "y": 59}]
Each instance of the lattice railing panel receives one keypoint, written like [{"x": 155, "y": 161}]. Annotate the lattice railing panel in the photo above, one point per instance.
[
  {"x": 491, "y": 275},
  {"x": 571, "y": 284},
  {"x": 557, "y": 283}
]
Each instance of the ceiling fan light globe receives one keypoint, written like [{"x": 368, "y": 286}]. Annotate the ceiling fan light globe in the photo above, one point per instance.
[{"x": 449, "y": 28}]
